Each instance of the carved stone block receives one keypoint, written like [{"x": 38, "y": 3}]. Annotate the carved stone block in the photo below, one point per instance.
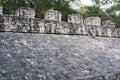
[
  {"x": 26, "y": 12},
  {"x": 114, "y": 32},
  {"x": 96, "y": 21},
  {"x": 7, "y": 23},
  {"x": 34, "y": 28},
  {"x": 109, "y": 32},
  {"x": 53, "y": 15},
  {"x": 41, "y": 25},
  {"x": 108, "y": 23},
  {"x": 1, "y": 10},
  {"x": 2, "y": 27},
  {"x": 75, "y": 18},
  {"x": 63, "y": 28},
  {"x": 91, "y": 30},
  {"x": 50, "y": 26}
]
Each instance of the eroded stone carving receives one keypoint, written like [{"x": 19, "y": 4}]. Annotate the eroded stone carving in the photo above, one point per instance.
[
  {"x": 63, "y": 28},
  {"x": 1, "y": 10},
  {"x": 108, "y": 23},
  {"x": 75, "y": 18},
  {"x": 96, "y": 21},
  {"x": 25, "y": 22},
  {"x": 26, "y": 12},
  {"x": 53, "y": 15}
]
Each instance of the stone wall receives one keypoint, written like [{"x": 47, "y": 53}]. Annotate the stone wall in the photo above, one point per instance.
[{"x": 25, "y": 21}]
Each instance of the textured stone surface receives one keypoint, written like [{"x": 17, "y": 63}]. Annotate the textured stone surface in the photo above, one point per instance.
[
  {"x": 25, "y": 56},
  {"x": 108, "y": 23},
  {"x": 63, "y": 28},
  {"x": 25, "y": 22},
  {"x": 53, "y": 15},
  {"x": 75, "y": 18},
  {"x": 25, "y": 12},
  {"x": 95, "y": 21},
  {"x": 1, "y": 10},
  {"x": 34, "y": 25}
]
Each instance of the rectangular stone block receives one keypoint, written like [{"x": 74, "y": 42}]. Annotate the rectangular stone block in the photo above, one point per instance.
[
  {"x": 99, "y": 31},
  {"x": 34, "y": 28},
  {"x": 95, "y": 21},
  {"x": 20, "y": 24},
  {"x": 50, "y": 26},
  {"x": 108, "y": 23},
  {"x": 41, "y": 25},
  {"x": 2, "y": 27},
  {"x": 53, "y": 15},
  {"x": 63, "y": 28},
  {"x": 83, "y": 30},
  {"x": 75, "y": 18},
  {"x": 77, "y": 29},
  {"x": 114, "y": 32},
  {"x": 104, "y": 32},
  {"x": 91, "y": 30},
  {"x": 1, "y": 10},
  {"x": 7, "y": 23},
  {"x": 118, "y": 32},
  {"x": 108, "y": 32},
  {"x": 25, "y": 12}
]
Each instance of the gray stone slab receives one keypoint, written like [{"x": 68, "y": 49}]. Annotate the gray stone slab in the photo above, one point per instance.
[
  {"x": 95, "y": 21},
  {"x": 108, "y": 23},
  {"x": 25, "y": 12},
  {"x": 25, "y": 56},
  {"x": 75, "y": 18},
  {"x": 53, "y": 15}
]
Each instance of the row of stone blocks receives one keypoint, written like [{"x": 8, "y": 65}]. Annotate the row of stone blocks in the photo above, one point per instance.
[
  {"x": 33, "y": 25},
  {"x": 25, "y": 21},
  {"x": 56, "y": 16}
]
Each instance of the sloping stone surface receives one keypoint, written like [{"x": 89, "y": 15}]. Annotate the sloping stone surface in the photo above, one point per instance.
[{"x": 25, "y": 56}]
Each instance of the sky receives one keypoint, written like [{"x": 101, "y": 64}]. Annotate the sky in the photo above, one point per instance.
[
  {"x": 81, "y": 3},
  {"x": 86, "y": 2}
]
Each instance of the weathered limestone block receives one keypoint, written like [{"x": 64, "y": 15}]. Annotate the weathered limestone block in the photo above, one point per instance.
[
  {"x": 2, "y": 23},
  {"x": 17, "y": 24},
  {"x": 74, "y": 28},
  {"x": 20, "y": 24},
  {"x": 114, "y": 32},
  {"x": 63, "y": 28},
  {"x": 53, "y": 15},
  {"x": 96, "y": 21},
  {"x": 26, "y": 12},
  {"x": 108, "y": 23},
  {"x": 41, "y": 25},
  {"x": 109, "y": 32},
  {"x": 75, "y": 18},
  {"x": 34, "y": 28},
  {"x": 118, "y": 32},
  {"x": 25, "y": 27},
  {"x": 91, "y": 30},
  {"x": 99, "y": 31},
  {"x": 77, "y": 29},
  {"x": 50, "y": 26},
  {"x": 104, "y": 32},
  {"x": 1, "y": 10},
  {"x": 7, "y": 23}
]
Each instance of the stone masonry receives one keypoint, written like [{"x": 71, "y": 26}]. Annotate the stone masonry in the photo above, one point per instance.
[
  {"x": 25, "y": 21},
  {"x": 25, "y": 55}
]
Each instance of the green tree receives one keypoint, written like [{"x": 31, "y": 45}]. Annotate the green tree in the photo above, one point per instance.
[
  {"x": 40, "y": 6},
  {"x": 95, "y": 11}
]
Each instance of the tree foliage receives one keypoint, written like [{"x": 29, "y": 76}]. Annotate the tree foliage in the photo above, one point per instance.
[
  {"x": 112, "y": 12},
  {"x": 39, "y": 5}
]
